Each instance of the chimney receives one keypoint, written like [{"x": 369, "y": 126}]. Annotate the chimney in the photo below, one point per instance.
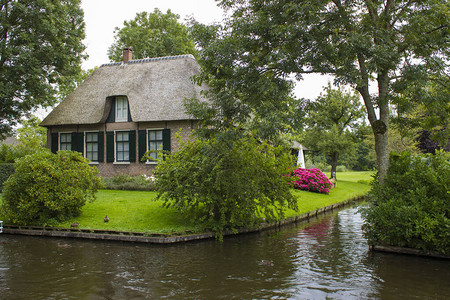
[{"x": 127, "y": 55}]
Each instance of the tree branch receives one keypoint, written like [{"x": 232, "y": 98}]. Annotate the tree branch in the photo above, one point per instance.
[{"x": 402, "y": 10}]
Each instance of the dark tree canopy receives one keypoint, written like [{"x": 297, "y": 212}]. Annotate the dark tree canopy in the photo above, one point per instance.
[
  {"x": 152, "y": 35},
  {"x": 40, "y": 52},
  {"x": 358, "y": 41}
]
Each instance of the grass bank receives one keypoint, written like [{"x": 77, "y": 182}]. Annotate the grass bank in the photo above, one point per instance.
[{"x": 139, "y": 211}]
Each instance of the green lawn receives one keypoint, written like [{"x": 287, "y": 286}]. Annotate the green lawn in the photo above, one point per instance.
[{"x": 139, "y": 211}]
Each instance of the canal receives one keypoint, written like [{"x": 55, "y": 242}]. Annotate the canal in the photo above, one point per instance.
[{"x": 327, "y": 258}]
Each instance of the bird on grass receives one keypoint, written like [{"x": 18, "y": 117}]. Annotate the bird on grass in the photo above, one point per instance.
[
  {"x": 106, "y": 219},
  {"x": 74, "y": 225}
]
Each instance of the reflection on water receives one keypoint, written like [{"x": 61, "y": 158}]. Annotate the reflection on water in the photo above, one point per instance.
[{"x": 325, "y": 259}]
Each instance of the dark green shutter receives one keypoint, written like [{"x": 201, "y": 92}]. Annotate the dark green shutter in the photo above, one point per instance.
[
  {"x": 142, "y": 144},
  {"x": 110, "y": 146},
  {"x": 129, "y": 113},
  {"x": 101, "y": 146},
  {"x": 166, "y": 140},
  {"x": 132, "y": 141},
  {"x": 78, "y": 142},
  {"x": 112, "y": 112},
  {"x": 54, "y": 142}
]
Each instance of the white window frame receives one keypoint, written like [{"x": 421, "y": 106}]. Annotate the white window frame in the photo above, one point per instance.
[
  {"x": 85, "y": 146},
  {"x": 148, "y": 142},
  {"x": 121, "y": 109},
  {"x": 125, "y": 162},
  {"x": 59, "y": 139}
]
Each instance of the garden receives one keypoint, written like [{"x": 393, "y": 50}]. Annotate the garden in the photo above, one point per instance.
[{"x": 130, "y": 202}]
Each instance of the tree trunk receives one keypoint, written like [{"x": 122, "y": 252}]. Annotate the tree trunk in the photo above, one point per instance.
[
  {"x": 379, "y": 125},
  {"x": 382, "y": 151},
  {"x": 334, "y": 162}
]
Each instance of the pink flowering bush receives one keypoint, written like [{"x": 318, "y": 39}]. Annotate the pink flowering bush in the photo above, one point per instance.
[{"x": 312, "y": 180}]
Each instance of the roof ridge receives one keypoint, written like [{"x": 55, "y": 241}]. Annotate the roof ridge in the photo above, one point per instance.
[{"x": 146, "y": 60}]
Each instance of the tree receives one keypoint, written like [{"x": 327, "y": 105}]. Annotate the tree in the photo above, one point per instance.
[
  {"x": 152, "y": 35},
  {"x": 31, "y": 138},
  {"x": 257, "y": 102},
  {"x": 330, "y": 119},
  {"x": 357, "y": 41},
  {"x": 40, "y": 50},
  {"x": 423, "y": 112},
  {"x": 227, "y": 184}
]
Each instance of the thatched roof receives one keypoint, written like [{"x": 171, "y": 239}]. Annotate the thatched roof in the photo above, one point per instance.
[{"x": 155, "y": 87}]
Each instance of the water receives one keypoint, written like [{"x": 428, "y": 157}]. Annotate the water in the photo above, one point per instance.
[{"x": 325, "y": 259}]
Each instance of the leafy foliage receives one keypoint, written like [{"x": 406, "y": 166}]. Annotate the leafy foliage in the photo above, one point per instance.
[
  {"x": 312, "y": 180},
  {"x": 240, "y": 96},
  {"x": 330, "y": 118},
  {"x": 412, "y": 208},
  {"x": 356, "y": 41},
  {"x": 152, "y": 35},
  {"x": 48, "y": 188},
  {"x": 40, "y": 52},
  {"x": 226, "y": 184},
  {"x": 423, "y": 110},
  {"x": 6, "y": 170},
  {"x": 31, "y": 138},
  {"x": 129, "y": 183}
]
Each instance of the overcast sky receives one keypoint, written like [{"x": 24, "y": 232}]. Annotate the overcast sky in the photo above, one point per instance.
[{"x": 102, "y": 16}]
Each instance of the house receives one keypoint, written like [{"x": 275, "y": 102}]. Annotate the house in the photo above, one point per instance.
[{"x": 125, "y": 109}]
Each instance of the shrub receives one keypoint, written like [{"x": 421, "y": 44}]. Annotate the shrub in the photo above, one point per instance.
[
  {"x": 6, "y": 170},
  {"x": 48, "y": 188},
  {"x": 226, "y": 183},
  {"x": 412, "y": 207},
  {"x": 312, "y": 180},
  {"x": 130, "y": 183}
]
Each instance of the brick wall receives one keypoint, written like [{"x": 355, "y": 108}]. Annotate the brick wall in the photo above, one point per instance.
[{"x": 183, "y": 128}]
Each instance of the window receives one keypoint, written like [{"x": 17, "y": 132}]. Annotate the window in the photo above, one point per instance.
[
  {"x": 155, "y": 142},
  {"x": 92, "y": 146},
  {"x": 121, "y": 109},
  {"x": 65, "y": 141},
  {"x": 122, "y": 146}
]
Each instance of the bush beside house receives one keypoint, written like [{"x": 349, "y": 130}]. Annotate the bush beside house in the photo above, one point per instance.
[
  {"x": 129, "y": 183},
  {"x": 48, "y": 188}
]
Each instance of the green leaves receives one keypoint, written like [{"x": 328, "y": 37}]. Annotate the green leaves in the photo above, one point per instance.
[
  {"x": 331, "y": 122},
  {"x": 226, "y": 183},
  {"x": 357, "y": 41},
  {"x": 412, "y": 208},
  {"x": 48, "y": 187},
  {"x": 40, "y": 49},
  {"x": 152, "y": 35}
]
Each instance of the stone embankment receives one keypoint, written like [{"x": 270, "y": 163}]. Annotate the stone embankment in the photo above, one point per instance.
[{"x": 156, "y": 238}]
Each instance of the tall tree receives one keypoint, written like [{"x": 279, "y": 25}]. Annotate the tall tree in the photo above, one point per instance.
[
  {"x": 330, "y": 119},
  {"x": 152, "y": 35},
  {"x": 357, "y": 41},
  {"x": 40, "y": 51},
  {"x": 240, "y": 97}
]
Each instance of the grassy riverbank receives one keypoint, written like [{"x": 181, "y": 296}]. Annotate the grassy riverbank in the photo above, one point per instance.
[{"x": 139, "y": 211}]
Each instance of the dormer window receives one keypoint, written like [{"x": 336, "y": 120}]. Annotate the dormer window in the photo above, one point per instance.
[{"x": 121, "y": 109}]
